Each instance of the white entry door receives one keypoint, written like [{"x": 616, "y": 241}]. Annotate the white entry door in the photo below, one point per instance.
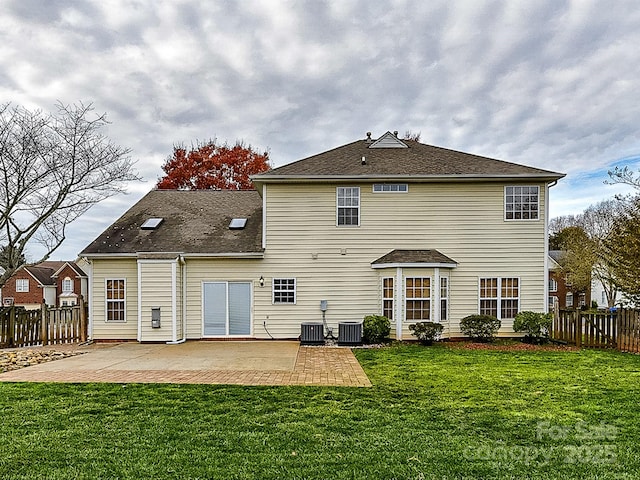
[{"x": 226, "y": 308}]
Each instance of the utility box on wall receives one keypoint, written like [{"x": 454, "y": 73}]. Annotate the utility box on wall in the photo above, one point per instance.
[{"x": 155, "y": 317}]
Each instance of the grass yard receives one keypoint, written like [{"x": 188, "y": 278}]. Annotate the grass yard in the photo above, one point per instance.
[{"x": 433, "y": 413}]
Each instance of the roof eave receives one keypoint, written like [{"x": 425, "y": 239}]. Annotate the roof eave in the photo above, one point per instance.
[
  {"x": 114, "y": 256},
  {"x": 546, "y": 177},
  {"x": 414, "y": 265}
]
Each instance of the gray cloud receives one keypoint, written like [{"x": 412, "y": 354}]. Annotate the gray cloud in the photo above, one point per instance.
[{"x": 547, "y": 83}]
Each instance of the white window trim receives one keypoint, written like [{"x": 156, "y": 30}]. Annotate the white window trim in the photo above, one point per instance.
[
  {"x": 70, "y": 282},
  {"x": 106, "y": 301},
  {"x": 444, "y": 298},
  {"x": 22, "y": 282},
  {"x": 338, "y": 207},
  {"x": 499, "y": 298},
  {"x": 391, "y": 298},
  {"x": 504, "y": 199},
  {"x": 381, "y": 190},
  {"x": 430, "y": 298},
  {"x": 553, "y": 285},
  {"x": 273, "y": 291}
]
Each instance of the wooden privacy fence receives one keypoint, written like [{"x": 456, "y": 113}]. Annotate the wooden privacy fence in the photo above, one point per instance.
[
  {"x": 619, "y": 329},
  {"x": 24, "y": 328}
]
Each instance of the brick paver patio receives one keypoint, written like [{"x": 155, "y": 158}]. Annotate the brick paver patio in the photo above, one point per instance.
[{"x": 314, "y": 366}]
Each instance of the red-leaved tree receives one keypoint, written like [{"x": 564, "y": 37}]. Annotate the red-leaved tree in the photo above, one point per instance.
[{"x": 209, "y": 166}]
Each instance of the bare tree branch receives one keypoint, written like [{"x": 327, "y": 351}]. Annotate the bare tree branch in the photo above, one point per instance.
[{"x": 53, "y": 168}]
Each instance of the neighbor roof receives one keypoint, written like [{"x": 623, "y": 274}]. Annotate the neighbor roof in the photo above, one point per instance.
[
  {"x": 365, "y": 159},
  {"x": 44, "y": 272},
  {"x": 195, "y": 222}
]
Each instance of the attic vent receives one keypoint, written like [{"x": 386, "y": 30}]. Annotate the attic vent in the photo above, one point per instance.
[
  {"x": 388, "y": 140},
  {"x": 151, "y": 223},
  {"x": 237, "y": 223}
]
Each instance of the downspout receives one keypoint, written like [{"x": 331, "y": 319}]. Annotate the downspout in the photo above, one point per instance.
[
  {"x": 546, "y": 244},
  {"x": 90, "y": 301},
  {"x": 175, "y": 340}
]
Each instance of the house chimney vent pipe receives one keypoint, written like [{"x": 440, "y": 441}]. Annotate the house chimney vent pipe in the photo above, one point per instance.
[
  {"x": 364, "y": 160},
  {"x": 395, "y": 133},
  {"x": 369, "y": 137}
]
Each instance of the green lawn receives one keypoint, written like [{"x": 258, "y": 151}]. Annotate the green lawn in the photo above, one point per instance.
[{"x": 433, "y": 413}]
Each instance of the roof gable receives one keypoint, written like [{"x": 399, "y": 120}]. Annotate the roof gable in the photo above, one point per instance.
[{"x": 388, "y": 140}]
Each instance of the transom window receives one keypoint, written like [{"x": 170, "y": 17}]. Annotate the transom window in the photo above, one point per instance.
[
  {"x": 284, "y": 290},
  {"x": 502, "y": 292},
  {"x": 348, "y": 206},
  {"x": 521, "y": 203},
  {"x": 418, "y": 298},
  {"x": 22, "y": 285},
  {"x": 115, "y": 298},
  {"x": 390, "y": 187},
  {"x": 387, "y": 297}
]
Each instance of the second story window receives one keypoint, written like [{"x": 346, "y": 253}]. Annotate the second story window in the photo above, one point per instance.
[
  {"x": 521, "y": 203},
  {"x": 348, "y": 206},
  {"x": 22, "y": 285},
  {"x": 67, "y": 285}
]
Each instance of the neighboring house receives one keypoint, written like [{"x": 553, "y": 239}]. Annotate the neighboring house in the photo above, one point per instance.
[
  {"x": 562, "y": 293},
  {"x": 384, "y": 226},
  {"x": 55, "y": 283}
]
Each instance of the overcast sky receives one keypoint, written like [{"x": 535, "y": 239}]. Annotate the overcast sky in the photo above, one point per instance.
[{"x": 549, "y": 84}]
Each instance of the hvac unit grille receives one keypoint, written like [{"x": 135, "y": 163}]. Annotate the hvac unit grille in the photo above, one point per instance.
[
  {"x": 312, "y": 333},
  {"x": 350, "y": 333}
]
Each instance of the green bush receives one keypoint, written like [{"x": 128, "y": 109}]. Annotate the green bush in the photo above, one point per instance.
[
  {"x": 375, "y": 328},
  {"x": 426, "y": 332},
  {"x": 481, "y": 328},
  {"x": 536, "y": 326}
]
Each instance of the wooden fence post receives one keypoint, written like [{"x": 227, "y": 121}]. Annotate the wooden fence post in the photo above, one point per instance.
[
  {"x": 12, "y": 326},
  {"x": 44, "y": 324},
  {"x": 83, "y": 319},
  {"x": 578, "y": 324}
]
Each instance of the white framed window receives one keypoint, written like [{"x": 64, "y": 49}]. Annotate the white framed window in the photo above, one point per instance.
[
  {"x": 499, "y": 297},
  {"x": 569, "y": 300},
  {"x": 115, "y": 298},
  {"x": 417, "y": 299},
  {"x": 444, "y": 298},
  {"x": 553, "y": 285},
  {"x": 521, "y": 203},
  {"x": 348, "y": 206},
  {"x": 390, "y": 188},
  {"x": 284, "y": 290},
  {"x": 22, "y": 285},
  {"x": 552, "y": 302},
  {"x": 67, "y": 285},
  {"x": 387, "y": 297}
]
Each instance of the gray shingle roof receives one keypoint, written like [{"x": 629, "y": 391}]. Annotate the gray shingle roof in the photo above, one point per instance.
[
  {"x": 414, "y": 257},
  {"x": 419, "y": 160},
  {"x": 195, "y": 222}
]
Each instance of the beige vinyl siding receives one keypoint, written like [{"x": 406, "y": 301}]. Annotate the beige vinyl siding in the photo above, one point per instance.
[
  {"x": 463, "y": 221},
  {"x": 114, "y": 269},
  {"x": 156, "y": 287}
]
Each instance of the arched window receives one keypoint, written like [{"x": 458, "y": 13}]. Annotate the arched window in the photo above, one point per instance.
[{"x": 67, "y": 285}]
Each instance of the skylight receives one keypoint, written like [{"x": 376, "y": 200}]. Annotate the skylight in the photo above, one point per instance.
[
  {"x": 151, "y": 223},
  {"x": 237, "y": 223}
]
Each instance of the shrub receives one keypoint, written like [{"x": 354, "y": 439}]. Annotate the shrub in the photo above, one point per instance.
[
  {"x": 481, "y": 328},
  {"x": 536, "y": 326},
  {"x": 375, "y": 328},
  {"x": 426, "y": 332}
]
